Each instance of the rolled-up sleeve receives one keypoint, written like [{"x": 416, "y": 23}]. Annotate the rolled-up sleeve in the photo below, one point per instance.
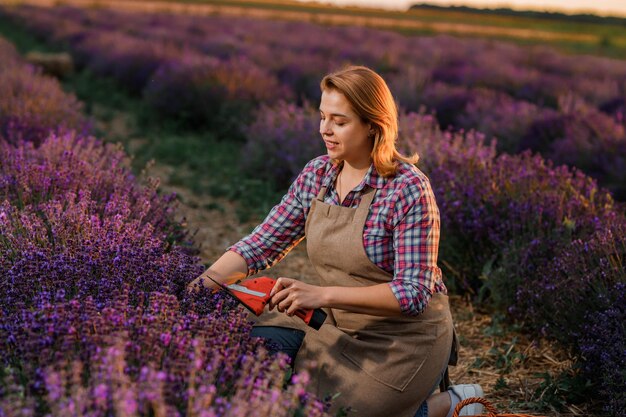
[
  {"x": 416, "y": 247},
  {"x": 282, "y": 229}
]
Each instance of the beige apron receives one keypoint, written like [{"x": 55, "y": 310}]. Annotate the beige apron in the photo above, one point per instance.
[{"x": 380, "y": 366}]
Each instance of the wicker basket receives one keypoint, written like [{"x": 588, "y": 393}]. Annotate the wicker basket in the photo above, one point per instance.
[{"x": 491, "y": 411}]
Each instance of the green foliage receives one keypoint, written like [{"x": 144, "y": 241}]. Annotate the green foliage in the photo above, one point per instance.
[
  {"x": 501, "y": 384},
  {"x": 100, "y": 91},
  {"x": 507, "y": 357},
  {"x": 208, "y": 166},
  {"x": 500, "y": 325},
  {"x": 557, "y": 391},
  {"x": 23, "y": 40}
]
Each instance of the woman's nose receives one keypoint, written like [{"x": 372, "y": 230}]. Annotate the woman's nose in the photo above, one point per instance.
[{"x": 325, "y": 128}]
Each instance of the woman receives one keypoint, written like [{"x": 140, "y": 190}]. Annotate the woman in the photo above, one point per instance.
[{"x": 372, "y": 229}]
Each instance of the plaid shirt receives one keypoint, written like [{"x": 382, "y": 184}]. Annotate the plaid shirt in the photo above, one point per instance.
[{"x": 401, "y": 232}]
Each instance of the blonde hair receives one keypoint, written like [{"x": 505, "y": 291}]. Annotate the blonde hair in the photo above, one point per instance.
[{"x": 372, "y": 101}]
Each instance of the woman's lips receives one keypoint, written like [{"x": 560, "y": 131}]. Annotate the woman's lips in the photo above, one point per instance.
[{"x": 330, "y": 144}]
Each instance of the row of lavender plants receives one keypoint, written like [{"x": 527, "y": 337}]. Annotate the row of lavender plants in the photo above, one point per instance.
[
  {"x": 544, "y": 242},
  {"x": 202, "y": 70},
  {"x": 94, "y": 319}
]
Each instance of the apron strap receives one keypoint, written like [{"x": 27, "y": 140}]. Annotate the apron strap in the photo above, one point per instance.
[
  {"x": 363, "y": 209},
  {"x": 321, "y": 194}
]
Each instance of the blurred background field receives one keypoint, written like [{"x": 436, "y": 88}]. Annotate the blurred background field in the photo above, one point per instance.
[
  {"x": 578, "y": 34},
  {"x": 519, "y": 122}
]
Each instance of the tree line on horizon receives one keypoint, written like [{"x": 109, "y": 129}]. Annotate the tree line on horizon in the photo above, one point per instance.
[{"x": 505, "y": 11}]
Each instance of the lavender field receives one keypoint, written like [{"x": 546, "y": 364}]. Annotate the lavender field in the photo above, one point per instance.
[
  {"x": 93, "y": 269},
  {"x": 525, "y": 148}
]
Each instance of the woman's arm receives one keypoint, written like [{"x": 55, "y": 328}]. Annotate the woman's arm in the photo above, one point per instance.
[
  {"x": 228, "y": 268},
  {"x": 415, "y": 220},
  {"x": 289, "y": 295},
  {"x": 270, "y": 241},
  {"x": 416, "y": 231},
  {"x": 266, "y": 245}
]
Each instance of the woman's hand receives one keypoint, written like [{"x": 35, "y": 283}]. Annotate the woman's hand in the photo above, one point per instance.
[{"x": 289, "y": 295}]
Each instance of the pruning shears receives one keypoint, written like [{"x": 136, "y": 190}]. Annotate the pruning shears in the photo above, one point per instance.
[{"x": 254, "y": 294}]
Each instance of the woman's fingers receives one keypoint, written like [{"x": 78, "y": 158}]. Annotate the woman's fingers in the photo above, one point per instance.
[
  {"x": 290, "y": 295},
  {"x": 279, "y": 294},
  {"x": 286, "y": 305},
  {"x": 277, "y": 299},
  {"x": 292, "y": 308},
  {"x": 280, "y": 284}
]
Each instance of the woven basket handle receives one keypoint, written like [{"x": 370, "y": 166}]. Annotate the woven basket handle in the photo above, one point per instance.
[{"x": 490, "y": 408}]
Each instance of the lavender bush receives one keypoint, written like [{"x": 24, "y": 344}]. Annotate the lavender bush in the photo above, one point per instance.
[
  {"x": 31, "y": 104},
  {"x": 577, "y": 298},
  {"x": 584, "y": 137},
  {"x": 584, "y": 274},
  {"x": 128, "y": 60},
  {"x": 603, "y": 345},
  {"x": 480, "y": 108},
  {"x": 151, "y": 359},
  {"x": 199, "y": 92},
  {"x": 546, "y": 243},
  {"x": 72, "y": 209},
  {"x": 74, "y": 164},
  {"x": 281, "y": 140},
  {"x": 183, "y": 91},
  {"x": 488, "y": 201}
]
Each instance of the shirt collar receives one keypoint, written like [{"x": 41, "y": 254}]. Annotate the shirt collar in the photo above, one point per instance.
[{"x": 371, "y": 178}]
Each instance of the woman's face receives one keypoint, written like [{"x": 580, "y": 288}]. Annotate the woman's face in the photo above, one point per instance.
[{"x": 344, "y": 133}]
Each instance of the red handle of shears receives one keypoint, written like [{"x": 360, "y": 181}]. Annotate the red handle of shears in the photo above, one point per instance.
[{"x": 256, "y": 304}]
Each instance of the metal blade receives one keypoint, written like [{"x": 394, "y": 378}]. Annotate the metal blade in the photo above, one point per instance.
[
  {"x": 241, "y": 288},
  {"x": 222, "y": 286},
  {"x": 228, "y": 291}
]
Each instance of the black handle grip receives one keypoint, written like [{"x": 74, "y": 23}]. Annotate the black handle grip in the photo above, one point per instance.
[{"x": 317, "y": 319}]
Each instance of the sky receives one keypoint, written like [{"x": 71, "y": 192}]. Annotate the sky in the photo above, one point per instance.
[{"x": 600, "y": 7}]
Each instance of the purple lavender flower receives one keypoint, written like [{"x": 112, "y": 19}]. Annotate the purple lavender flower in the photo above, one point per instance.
[
  {"x": 229, "y": 369},
  {"x": 33, "y": 105},
  {"x": 281, "y": 140}
]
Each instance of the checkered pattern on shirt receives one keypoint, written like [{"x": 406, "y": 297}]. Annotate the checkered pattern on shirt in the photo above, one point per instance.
[{"x": 401, "y": 233}]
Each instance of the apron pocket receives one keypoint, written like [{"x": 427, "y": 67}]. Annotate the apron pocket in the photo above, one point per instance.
[{"x": 392, "y": 358}]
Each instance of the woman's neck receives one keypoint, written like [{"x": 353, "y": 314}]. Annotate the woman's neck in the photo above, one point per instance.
[
  {"x": 349, "y": 177},
  {"x": 356, "y": 169}
]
